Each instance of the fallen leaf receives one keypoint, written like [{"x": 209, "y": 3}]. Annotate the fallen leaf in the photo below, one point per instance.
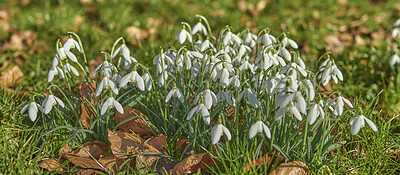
[
  {"x": 4, "y": 25},
  {"x": 334, "y": 44},
  {"x": 86, "y": 172},
  {"x": 137, "y": 125},
  {"x": 359, "y": 41},
  {"x": 378, "y": 37},
  {"x": 159, "y": 143},
  {"x": 267, "y": 159},
  {"x": 136, "y": 35},
  {"x": 291, "y": 168},
  {"x": 20, "y": 39},
  {"x": 78, "y": 19},
  {"x": 85, "y": 89},
  {"x": 11, "y": 77},
  {"x": 327, "y": 90},
  {"x": 123, "y": 143},
  {"x": 52, "y": 165},
  {"x": 341, "y": 2},
  {"x": 83, "y": 162},
  {"x": 242, "y": 6},
  {"x": 94, "y": 148},
  {"x": 194, "y": 162}
]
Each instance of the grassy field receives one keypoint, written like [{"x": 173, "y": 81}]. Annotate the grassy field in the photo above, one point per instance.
[{"x": 358, "y": 33}]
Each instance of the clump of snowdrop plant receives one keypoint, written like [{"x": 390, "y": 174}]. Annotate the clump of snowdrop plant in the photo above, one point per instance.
[{"x": 261, "y": 78}]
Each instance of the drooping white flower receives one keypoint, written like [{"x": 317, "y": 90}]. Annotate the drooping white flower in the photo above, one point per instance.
[
  {"x": 71, "y": 68},
  {"x": 64, "y": 53},
  {"x": 246, "y": 65},
  {"x": 316, "y": 110},
  {"x": 162, "y": 62},
  {"x": 266, "y": 39},
  {"x": 70, "y": 44},
  {"x": 205, "y": 45},
  {"x": 289, "y": 108},
  {"x": 217, "y": 131},
  {"x": 338, "y": 104},
  {"x": 32, "y": 108},
  {"x": 49, "y": 102},
  {"x": 106, "y": 67},
  {"x": 329, "y": 70},
  {"x": 251, "y": 96},
  {"x": 250, "y": 39},
  {"x": 147, "y": 81},
  {"x": 111, "y": 103},
  {"x": 285, "y": 53},
  {"x": 175, "y": 92},
  {"x": 123, "y": 49},
  {"x": 54, "y": 71},
  {"x": 227, "y": 96},
  {"x": 257, "y": 127},
  {"x": 235, "y": 80},
  {"x": 307, "y": 84},
  {"x": 358, "y": 122},
  {"x": 395, "y": 59},
  {"x": 209, "y": 98},
  {"x": 127, "y": 62},
  {"x": 202, "y": 110},
  {"x": 229, "y": 38},
  {"x": 287, "y": 41},
  {"x": 162, "y": 78},
  {"x": 133, "y": 77},
  {"x": 199, "y": 27},
  {"x": 105, "y": 84},
  {"x": 182, "y": 36}
]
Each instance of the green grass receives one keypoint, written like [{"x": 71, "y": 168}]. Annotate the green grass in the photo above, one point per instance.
[{"x": 365, "y": 68}]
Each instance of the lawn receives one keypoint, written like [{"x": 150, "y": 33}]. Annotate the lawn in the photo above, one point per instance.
[{"x": 357, "y": 35}]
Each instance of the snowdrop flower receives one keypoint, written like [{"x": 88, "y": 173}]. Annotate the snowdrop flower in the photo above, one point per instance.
[
  {"x": 71, "y": 68},
  {"x": 235, "y": 80},
  {"x": 175, "y": 92},
  {"x": 133, "y": 77},
  {"x": 287, "y": 41},
  {"x": 49, "y": 102},
  {"x": 106, "y": 67},
  {"x": 54, "y": 71},
  {"x": 71, "y": 43},
  {"x": 251, "y": 96},
  {"x": 290, "y": 108},
  {"x": 250, "y": 39},
  {"x": 105, "y": 84},
  {"x": 123, "y": 49},
  {"x": 182, "y": 36},
  {"x": 32, "y": 108},
  {"x": 308, "y": 85},
  {"x": 358, "y": 122},
  {"x": 396, "y": 30},
  {"x": 199, "y": 27},
  {"x": 116, "y": 78},
  {"x": 329, "y": 71},
  {"x": 111, "y": 103},
  {"x": 162, "y": 78},
  {"x": 285, "y": 53},
  {"x": 316, "y": 110},
  {"x": 247, "y": 65},
  {"x": 229, "y": 38},
  {"x": 266, "y": 39},
  {"x": 209, "y": 97},
  {"x": 338, "y": 103},
  {"x": 205, "y": 45},
  {"x": 257, "y": 127},
  {"x": 127, "y": 62},
  {"x": 200, "y": 109},
  {"x": 217, "y": 131},
  {"x": 228, "y": 96},
  {"x": 162, "y": 62},
  {"x": 147, "y": 81},
  {"x": 395, "y": 59},
  {"x": 64, "y": 53}
]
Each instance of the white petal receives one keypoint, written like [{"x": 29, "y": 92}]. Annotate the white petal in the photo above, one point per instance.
[
  {"x": 116, "y": 51},
  {"x": 371, "y": 124},
  {"x": 313, "y": 114},
  {"x": 24, "y": 108},
  {"x": 118, "y": 106},
  {"x": 226, "y": 131},
  {"x": 252, "y": 99},
  {"x": 254, "y": 130},
  {"x": 140, "y": 82},
  {"x": 216, "y": 133},
  {"x": 205, "y": 114},
  {"x": 59, "y": 101},
  {"x": 179, "y": 95},
  {"x": 125, "y": 51},
  {"x": 105, "y": 106},
  {"x": 169, "y": 95},
  {"x": 51, "y": 74},
  {"x": 296, "y": 113},
  {"x": 125, "y": 80},
  {"x": 191, "y": 113},
  {"x": 266, "y": 130},
  {"x": 71, "y": 56},
  {"x": 356, "y": 126},
  {"x": 100, "y": 87},
  {"x": 48, "y": 105},
  {"x": 32, "y": 111},
  {"x": 280, "y": 113},
  {"x": 112, "y": 86},
  {"x": 348, "y": 102}
]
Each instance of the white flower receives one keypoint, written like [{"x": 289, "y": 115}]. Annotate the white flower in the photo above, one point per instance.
[
  {"x": 200, "y": 109},
  {"x": 182, "y": 36},
  {"x": 291, "y": 108},
  {"x": 266, "y": 39},
  {"x": 71, "y": 68},
  {"x": 199, "y": 27},
  {"x": 228, "y": 96},
  {"x": 133, "y": 77},
  {"x": 32, "y": 110},
  {"x": 111, "y": 103},
  {"x": 250, "y": 39},
  {"x": 122, "y": 49},
  {"x": 229, "y": 38},
  {"x": 64, "y": 53},
  {"x": 205, "y": 45},
  {"x": 257, "y": 127},
  {"x": 162, "y": 62},
  {"x": 162, "y": 78},
  {"x": 235, "y": 80},
  {"x": 217, "y": 131},
  {"x": 105, "y": 84},
  {"x": 329, "y": 71},
  {"x": 71, "y": 43},
  {"x": 128, "y": 61},
  {"x": 107, "y": 69},
  {"x": 49, "y": 102},
  {"x": 358, "y": 122},
  {"x": 287, "y": 41},
  {"x": 54, "y": 71},
  {"x": 251, "y": 96},
  {"x": 395, "y": 32},
  {"x": 338, "y": 103},
  {"x": 147, "y": 81},
  {"x": 316, "y": 110},
  {"x": 175, "y": 92},
  {"x": 247, "y": 65},
  {"x": 209, "y": 97},
  {"x": 285, "y": 53},
  {"x": 395, "y": 59}
]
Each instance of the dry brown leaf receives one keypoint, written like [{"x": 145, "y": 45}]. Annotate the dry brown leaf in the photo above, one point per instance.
[
  {"x": 397, "y": 7},
  {"x": 341, "y": 2},
  {"x": 78, "y": 19},
  {"x": 4, "y": 25},
  {"x": 86, "y": 172},
  {"x": 242, "y": 6},
  {"x": 11, "y": 77},
  {"x": 137, "y": 125},
  {"x": 52, "y": 165},
  {"x": 266, "y": 159},
  {"x": 85, "y": 89},
  {"x": 326, "y": 90},
  {"x": 291, "y": 168},
  {"x": 378, "y": 37},
  {"x": 92, "y": 66},
  {"x": 334, "y": 44},
  {"x": 123, "y": 143},
  {"x": 20, "y": 39},
  {"x": 159, "y": 143},
  {"x": 359, "y": 41},
  {"x": 83, "y": 162},
  {"x": 94, "y": 148},
  {"x": 192, "y": 163},
  {"x": 136, "y": 35}
]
